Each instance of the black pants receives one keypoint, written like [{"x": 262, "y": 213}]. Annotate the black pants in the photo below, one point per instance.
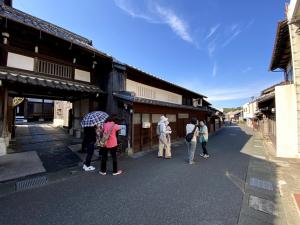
[
  {"x": 113, "y": 152},
  {"x": 84, "y": 144},
  {"x": 90, "y": 151},
  {"x": 204, "y": 148}
]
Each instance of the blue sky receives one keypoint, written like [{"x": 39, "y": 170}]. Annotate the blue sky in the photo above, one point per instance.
[{"x": 219, "y": 48}]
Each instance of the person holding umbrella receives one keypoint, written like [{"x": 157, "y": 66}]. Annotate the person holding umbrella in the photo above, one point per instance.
[{"x": 91, "y": 123}]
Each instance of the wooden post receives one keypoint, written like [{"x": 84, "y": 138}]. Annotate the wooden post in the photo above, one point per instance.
[
  {"x": 141, "y": 135},
  {"x": 5, "y": 102},
  {"x": 43, "y": 110},
  {"x": 151, "y": 130}
]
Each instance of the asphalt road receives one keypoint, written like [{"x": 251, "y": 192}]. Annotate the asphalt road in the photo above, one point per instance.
[{"x": 151, "y": 191}]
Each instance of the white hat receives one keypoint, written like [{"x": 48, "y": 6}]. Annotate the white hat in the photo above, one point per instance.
[{"x": 163, "y": 119}]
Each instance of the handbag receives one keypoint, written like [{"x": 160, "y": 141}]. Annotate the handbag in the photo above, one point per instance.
[
  {"x": 190, "y": 135},
  {"x": 105, "y": 136}
]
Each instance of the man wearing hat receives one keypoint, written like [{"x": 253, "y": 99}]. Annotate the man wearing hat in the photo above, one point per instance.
[{"x": 162, "y": 138}]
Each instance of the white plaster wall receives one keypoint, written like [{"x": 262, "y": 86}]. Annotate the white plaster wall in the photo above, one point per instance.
[
  {"x": 293, "y": 14},
  {"x": 82, "y": 75},
  {"x": 249, "y": 110},
  {"x": 286, "y": 115},
  {"x": 61, "y": 113},
  {"x": 20, "y": 61},
  {"x": 293, "y": 9},
  {"x": 152, "y": 93}
]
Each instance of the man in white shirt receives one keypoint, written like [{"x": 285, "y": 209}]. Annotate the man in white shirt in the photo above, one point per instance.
[{"x": 192, "y": 127}]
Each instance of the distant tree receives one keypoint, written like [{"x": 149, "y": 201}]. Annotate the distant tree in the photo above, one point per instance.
[{"x": 226, "y": 110}]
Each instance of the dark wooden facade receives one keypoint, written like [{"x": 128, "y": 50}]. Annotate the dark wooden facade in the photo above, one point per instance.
[{"x": 145, "y": 138}]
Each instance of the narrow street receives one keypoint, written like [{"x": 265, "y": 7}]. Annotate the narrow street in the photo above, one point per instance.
[{"x": 151, "y": 191}]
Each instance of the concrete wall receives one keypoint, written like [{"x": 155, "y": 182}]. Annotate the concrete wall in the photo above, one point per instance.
[
  {"x": 286, "y": 115},
  {"x": 293, "y": 14}
]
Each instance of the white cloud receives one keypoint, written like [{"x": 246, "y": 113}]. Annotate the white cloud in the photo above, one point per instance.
[
  {"x": 250, "y": 23},
  {"x": 215, "y": 68},
  {"x": 178, "y": 25},
  {"x": 231, "y": 38},
  {"x": 130, "y": 9},
  {"x": 234, "y": 27},
  {"x": 154, "y": 13},
  {"x": 224, "y": 92},
  {"x": 212, "y": 31},
  {"x": 248, "y": 69},
  {"x": 212, "y": 46},
  {"x": 229, "y": 94}
]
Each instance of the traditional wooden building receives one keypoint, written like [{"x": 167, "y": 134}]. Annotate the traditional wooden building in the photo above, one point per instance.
[
  {"x": 40, "y": 60},
  {"x": 143, "y": 99},
  {"x": 266, "y": 113}
]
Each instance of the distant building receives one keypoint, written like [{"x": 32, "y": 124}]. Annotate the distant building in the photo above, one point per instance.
[{"x": 249, "y": 112}]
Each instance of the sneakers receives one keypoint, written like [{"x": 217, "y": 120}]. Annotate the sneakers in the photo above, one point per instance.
[
  {"x": 191, "y": 162},
  {"x": 204, "y": 155},
  {"x": 88, "y": 168},
  {"x": 168, "y": 157},
  {"x": 102, "y": 173},
  {"x": 118, "y": 173}
]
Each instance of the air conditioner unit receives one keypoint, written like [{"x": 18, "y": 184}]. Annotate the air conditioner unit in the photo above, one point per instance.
[
  {"x": 200, "y": 102},
  {"x": 197, "y": 102}
]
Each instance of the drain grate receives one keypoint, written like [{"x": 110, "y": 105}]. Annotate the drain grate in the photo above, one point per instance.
[
  {"x": 263, "y": 205},
  {"x": 267, "y": 185},
  {"x": 31, "y": 183}
]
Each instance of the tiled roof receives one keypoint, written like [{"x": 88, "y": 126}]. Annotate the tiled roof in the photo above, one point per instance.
[
  {"x": 272, "y": 88},
  {"x": 131, "y": 98},
  {"x": 266, "y": 97},
  {"x": 44, "y": 26},
  {"x": 282, "y": 47},
  {"x": 33, "y": 79}
]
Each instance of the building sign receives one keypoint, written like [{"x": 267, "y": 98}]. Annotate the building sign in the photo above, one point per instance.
[
  {"x": 183, "y": 115},
  {"x": 122, "y": 132}
]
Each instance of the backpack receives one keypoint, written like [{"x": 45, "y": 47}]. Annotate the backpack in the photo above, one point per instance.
[
  {"x": 190, "y": 136},
  {"x": 158, "y": 129},
  {"x": 105, "y": 136}
]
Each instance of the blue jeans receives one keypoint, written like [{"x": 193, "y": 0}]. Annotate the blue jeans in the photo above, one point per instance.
[{"x": 191, "y": 150}]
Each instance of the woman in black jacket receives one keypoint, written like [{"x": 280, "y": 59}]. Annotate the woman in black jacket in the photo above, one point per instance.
[{"x": 89, "y": 142}]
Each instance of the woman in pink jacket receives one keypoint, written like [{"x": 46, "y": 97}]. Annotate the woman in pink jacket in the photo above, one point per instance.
[{"x": 111, "y": 146}]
